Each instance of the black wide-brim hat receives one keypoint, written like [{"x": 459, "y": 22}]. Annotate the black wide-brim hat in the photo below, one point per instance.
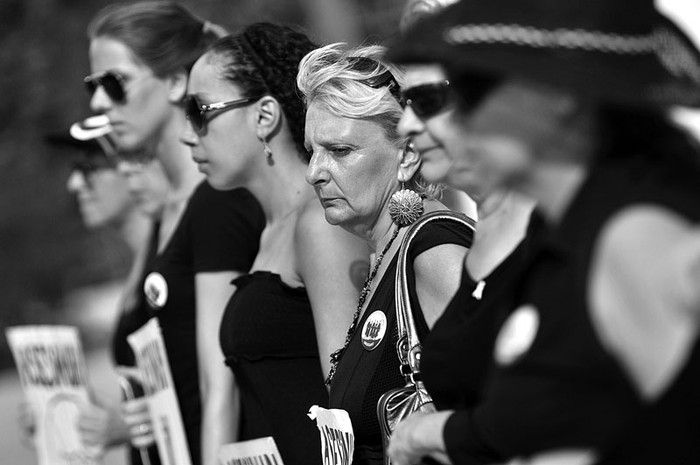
[{"x": 610, "y": 50}]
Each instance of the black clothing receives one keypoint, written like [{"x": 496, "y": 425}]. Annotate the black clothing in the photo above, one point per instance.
[
  {"x": 269, "y": 340},
  {"x": 131, "y": 319},
  {"x": 563, "y": 389},
  {"x": 667, "y": 430},
  {"x": 362, "y": 375},
  {"x": 218, "y": 231},
  {"x": 136, "y": 315},
  {"x": 457, "y": 354}
]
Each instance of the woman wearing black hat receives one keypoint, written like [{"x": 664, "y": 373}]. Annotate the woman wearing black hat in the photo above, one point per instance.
[{"x": 601, "y": 344}]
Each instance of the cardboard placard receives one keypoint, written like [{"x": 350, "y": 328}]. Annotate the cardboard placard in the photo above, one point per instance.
[
  {"x": 52, "y": 370},
  {"x": 337, "y": 437},
  {"x": 262, "y": 451},
  {"x": 152, "y": 361}
]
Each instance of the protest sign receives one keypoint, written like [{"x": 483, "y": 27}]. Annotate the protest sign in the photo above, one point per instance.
[
  {"x": 262, "y": 451},
  {"x": 152, "y": 361},
  {"x": 52, "y": 371},
  {"x": 337, "y": 437}
]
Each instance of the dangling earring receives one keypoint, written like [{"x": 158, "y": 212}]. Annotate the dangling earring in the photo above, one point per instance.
[
  {"x": 405, "y": 206},
  {"x": 268, "y": 152}
]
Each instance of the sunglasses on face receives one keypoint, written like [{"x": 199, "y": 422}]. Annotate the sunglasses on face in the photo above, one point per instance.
[
  {"x": 196, "y": 111},
  {"x": 111, "y": 82},
  {"x": 428, "y": 100}
]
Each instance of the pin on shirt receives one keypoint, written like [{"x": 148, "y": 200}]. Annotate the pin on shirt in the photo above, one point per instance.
[
  {"x": 156, "y": 289},
  {"x": 373, "y": 330},
  {"x": 479, "y": 290}
]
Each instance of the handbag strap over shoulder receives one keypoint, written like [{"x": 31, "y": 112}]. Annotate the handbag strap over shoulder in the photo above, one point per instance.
[{"x": 408, "y": 346}]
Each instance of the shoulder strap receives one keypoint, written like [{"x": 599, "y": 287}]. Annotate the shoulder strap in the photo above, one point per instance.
[{"x": 408, "y": 346}]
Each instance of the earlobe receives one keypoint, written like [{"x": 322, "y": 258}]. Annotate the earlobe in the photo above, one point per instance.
[
  {"x": 268, "y": 117},
  {"x": 177, "y": 86},
  {"x": 410, "y": 163}
]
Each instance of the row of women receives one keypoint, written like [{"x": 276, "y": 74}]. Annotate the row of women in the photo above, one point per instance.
[{"x": 562, "y": 330}]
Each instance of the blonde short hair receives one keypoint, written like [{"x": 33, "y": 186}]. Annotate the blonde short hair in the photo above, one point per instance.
[{"x": 357, "y": 83}]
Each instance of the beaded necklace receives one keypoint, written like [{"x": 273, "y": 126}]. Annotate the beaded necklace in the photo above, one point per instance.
[{"x": 338, "y": 354}]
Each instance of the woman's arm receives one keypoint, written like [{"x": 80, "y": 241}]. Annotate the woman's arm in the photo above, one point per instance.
[
  {"x": 644, "y": 293},
  {"x": 438, "y": 273},
  {"x": 220, "y": 407},
  {"x": 333, "y": 265}
]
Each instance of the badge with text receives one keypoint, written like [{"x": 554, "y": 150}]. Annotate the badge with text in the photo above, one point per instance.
[
  {"x": 337, "y": 438},
  {"x": 156, "y": 289},
  {"x": 373, "y": 330},
  {"x": 261, "y": 451}
]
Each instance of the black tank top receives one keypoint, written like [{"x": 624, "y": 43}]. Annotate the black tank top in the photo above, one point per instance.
[
  {"x": 362, "y": 376},
  {"x": 269, "y": 340}
]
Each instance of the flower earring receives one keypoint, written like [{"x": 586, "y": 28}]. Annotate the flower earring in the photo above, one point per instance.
[{"x": 405, "y": 206}]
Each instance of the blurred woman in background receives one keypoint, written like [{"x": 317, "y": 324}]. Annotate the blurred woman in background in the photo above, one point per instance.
[
  {"x": 105, "y": 201},
  {"x": 601, "y": 343},
  {"x": 102, "y": 424}
]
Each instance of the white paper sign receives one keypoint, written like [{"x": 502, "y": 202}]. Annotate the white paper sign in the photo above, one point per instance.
[
  {"x": 337, "y": 437},
  {"x": 152, "y": 360},
  {"x": 261, "y": 451},
  {"x": 52, "y": 371}
]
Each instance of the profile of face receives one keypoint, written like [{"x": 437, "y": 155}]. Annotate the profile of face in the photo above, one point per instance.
[
  {"x": 354, "y": 167},
  {"x": 146, "y": 103},
  {"x": 514, "y": 131},
  {"x": 226, "y": 146},
  {"x": 147, "y": 184},
  {"x": 440, "y": 135},
  {"x": 102, "y": 193}
]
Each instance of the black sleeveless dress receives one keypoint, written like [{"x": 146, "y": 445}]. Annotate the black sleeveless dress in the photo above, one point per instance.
[
  {"x": 362, "y": 375},
  {"x": 269, "y": 340}
]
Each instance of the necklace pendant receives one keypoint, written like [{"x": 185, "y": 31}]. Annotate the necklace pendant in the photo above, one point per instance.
[{"x": 373, "y": 330}]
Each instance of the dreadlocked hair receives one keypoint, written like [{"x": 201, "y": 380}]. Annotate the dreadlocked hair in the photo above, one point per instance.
[{"x": 264, "y": 60}]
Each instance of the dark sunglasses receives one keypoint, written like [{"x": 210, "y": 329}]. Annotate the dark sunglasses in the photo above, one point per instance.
[
  {"x": 111, "y": 82},
  {"x": 386, "y": 79},
  {"x": 88, "y": 168},
  {"x": 196, "y": 111},
  {"x": 428, "y": 100}
]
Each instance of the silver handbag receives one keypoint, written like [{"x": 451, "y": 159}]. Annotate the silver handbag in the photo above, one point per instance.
[{"x": 396, "y": 404}]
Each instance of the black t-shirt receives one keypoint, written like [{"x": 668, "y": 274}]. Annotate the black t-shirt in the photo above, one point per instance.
[
  {"x": 135, "y": 311},
  {"x": 133, "y": 315},
  {"x": 456, "y": 355},
  {"x": 218, "y": 231}
]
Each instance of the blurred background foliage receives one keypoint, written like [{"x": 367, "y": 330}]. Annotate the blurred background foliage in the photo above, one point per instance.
[{"x": 45, "y": 251}]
